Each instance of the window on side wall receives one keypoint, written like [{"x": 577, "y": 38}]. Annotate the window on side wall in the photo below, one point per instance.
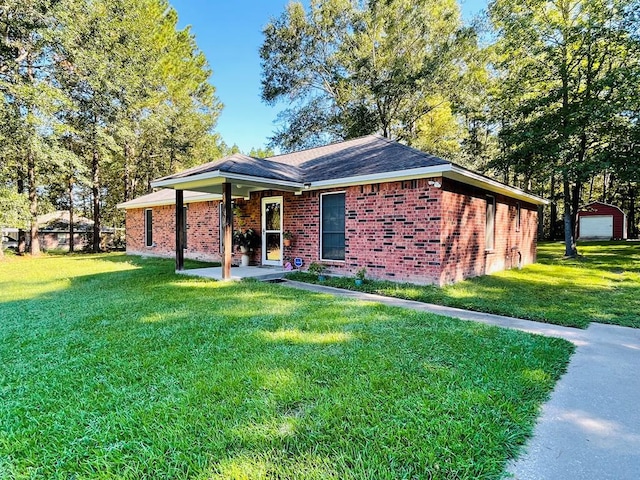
[
  {"x": 184, "y": 227},
  {"x": 490, "y": 226},
  {"x": 332, "y": 226},
  {"x": 518, "y": 211},
  {"x": 148, "y": 227}
]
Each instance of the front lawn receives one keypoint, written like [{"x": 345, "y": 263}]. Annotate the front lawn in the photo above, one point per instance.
[
  {"x": 602, "y": 285},
  {"x": 115, "y": 367}
]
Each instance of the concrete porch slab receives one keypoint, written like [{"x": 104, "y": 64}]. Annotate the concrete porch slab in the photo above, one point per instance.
[{"x": 265, "y": 273}]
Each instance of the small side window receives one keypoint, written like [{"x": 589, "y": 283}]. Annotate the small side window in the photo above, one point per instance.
[
  {"x": 184, "y": 231},
  {"x": 518, "y": 211},
  {"x": 490, "y": 226},
  {"x": 148, "y": 227}
]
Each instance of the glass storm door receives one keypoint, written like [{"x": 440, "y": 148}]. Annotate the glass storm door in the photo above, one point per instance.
[{"x": 272, "y": 231}]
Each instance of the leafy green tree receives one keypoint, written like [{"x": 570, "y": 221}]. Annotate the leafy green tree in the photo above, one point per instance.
[
  {"x": 142, "y": 103},
  {"x": 352, "y": 68},
  {"x": 28, "y": 40},
  {"x": 562, "y": 69},
  {"x": 14, "y": 210},
  {"x": 261, "y": 152}
]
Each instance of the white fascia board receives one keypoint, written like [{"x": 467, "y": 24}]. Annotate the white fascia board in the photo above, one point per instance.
[
  {"x": 472, "y": 178},
  {"x": 217, "y": 177},
  {"x": 410, "y": 174},
  {"x": 447, "y": 170},
  {"x": 130, "y": 205},
  {"x": 174, "y": 182}
]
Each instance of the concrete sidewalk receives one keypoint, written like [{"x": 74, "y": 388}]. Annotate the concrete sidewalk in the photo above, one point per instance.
[{"x": 590, "y": 427}]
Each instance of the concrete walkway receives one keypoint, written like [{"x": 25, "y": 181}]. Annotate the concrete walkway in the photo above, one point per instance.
[{"x": 590, "y": 427}]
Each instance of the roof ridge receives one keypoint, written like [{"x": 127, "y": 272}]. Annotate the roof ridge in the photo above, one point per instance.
[{"x": 337, "y": 142}]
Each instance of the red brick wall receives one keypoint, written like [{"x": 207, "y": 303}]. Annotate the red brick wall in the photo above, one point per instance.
[
  {"x": 391, "y": 229},
  {"x": 402, "y": 231},
  {"x": 202, "y": 231},
  {"x": 464, "y": 252}
]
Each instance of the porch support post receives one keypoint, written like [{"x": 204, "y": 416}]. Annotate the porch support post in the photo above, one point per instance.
[
  {"x": 228, "y": 228},
  {"x": 180, "y": 230}
]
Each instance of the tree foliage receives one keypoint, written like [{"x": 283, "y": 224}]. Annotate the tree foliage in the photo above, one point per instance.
[
  {"x": 352, "y": 68},
  {"x": 566, "y": 68},
  {"x": 100, "y": 97}
]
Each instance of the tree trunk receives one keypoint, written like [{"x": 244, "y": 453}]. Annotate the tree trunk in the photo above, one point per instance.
[
  {"x": 632, "y": 231},
  {"x": 34, "y": 247},
  {"x": 22, "y": 235},
  {"x": 553, "y": 215},
  {"x": 127, "y": 172},
  {"x": 570, "y": 247},
  {"x": 71, "y": 220},
  {"x": 95, "y": 191},
  {"x": 575, "y": 206}
]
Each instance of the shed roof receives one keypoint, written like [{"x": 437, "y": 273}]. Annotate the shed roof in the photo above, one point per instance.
[{"x": 589, "y": 205}]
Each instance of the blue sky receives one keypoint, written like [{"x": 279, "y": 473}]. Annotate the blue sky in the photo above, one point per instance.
[{"x": 230, "y": 35}]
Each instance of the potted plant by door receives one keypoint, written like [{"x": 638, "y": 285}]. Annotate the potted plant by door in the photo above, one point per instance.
[
  {"x": 246, "y": 242},
  {"x": 287, "y": 236},
  {"x": 360, "y": 276},
  {"x": 318, "y": 270}
]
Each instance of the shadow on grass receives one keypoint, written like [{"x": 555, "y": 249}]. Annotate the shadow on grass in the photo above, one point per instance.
[{"x": 139, "y": 372}]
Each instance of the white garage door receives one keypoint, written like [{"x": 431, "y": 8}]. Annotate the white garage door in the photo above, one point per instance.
[{"x": 597, "y": 226}]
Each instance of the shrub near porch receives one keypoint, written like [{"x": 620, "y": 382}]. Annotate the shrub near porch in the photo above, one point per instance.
[{"x": 115, "y": 367}]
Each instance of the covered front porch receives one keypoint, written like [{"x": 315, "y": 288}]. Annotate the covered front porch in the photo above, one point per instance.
[{"x": 236, "y": 178}]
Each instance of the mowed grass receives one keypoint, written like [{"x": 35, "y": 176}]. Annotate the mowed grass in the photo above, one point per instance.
[
  {"x": 601, "y": 285},
  {"x": 115, "y": 367}
]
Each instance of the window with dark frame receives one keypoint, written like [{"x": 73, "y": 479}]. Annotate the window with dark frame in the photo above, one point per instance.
[
  {"x": 490, "y": 226},
  {"x": 148, "y": 227},
  {"x": 518, "y": 211},
  {"x": 332, "y": 226}
]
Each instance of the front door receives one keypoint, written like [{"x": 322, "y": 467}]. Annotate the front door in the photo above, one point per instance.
[{"x": 272, "y": 231}]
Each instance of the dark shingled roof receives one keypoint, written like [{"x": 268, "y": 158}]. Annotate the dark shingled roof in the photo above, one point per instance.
[
  {"x": 244, "y": 165},
  {"x": 362, "y": 156}
]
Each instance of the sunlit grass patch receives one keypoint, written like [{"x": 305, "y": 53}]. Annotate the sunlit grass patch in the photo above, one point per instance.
[
  {"x": 297, "y": 336},
  {"x": 115, "y": 367}
]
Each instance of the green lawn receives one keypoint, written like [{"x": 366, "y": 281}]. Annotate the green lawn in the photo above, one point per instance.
[
  {"x": 114, "y": 367},
  {"x": 602, "y": 285}
]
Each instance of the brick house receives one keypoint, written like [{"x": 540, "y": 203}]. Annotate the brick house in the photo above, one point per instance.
[{"x": 370, "y": 202}]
